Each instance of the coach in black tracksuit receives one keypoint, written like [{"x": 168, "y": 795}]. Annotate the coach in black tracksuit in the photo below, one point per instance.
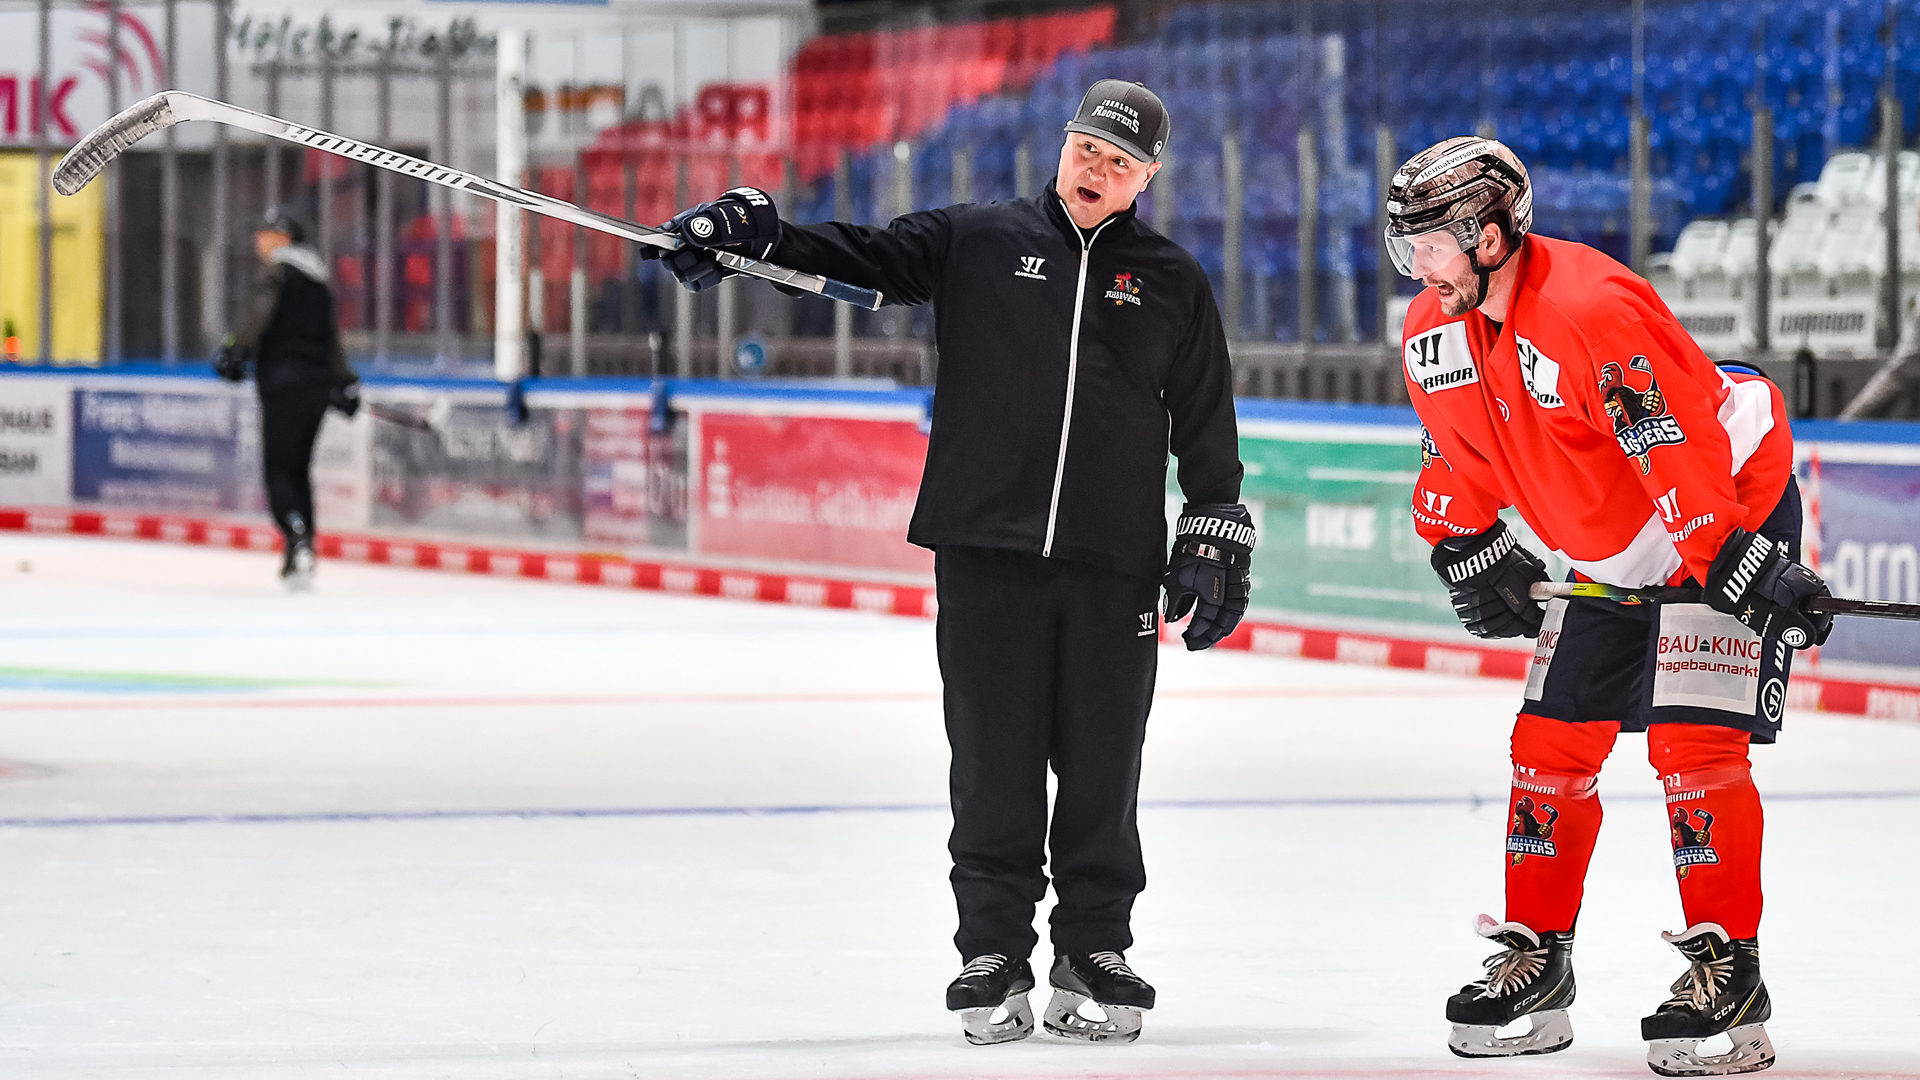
[
  {"x": 289, "y": 335},
  {"x": 1077, "y": 346}
]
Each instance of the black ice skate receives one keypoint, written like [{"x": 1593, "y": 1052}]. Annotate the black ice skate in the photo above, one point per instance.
[
  {"x": 1531, "y": 977},
  {"x": 1721, "y": 993},
  {"x": 1096, "y": 998},
  {"x": 991, "y": 987},
  {"x": 296, "y": 568}
]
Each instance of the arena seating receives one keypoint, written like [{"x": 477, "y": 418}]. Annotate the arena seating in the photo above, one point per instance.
[
  {"x": 1552, "y": 80},
  {"x": 1830, "y": 241}
]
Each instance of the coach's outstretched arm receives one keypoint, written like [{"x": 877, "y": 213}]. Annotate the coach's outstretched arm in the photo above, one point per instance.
[{"x": 902, "y": 260}]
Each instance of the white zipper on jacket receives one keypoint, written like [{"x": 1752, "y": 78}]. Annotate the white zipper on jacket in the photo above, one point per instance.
[{"x": 1073, "y": 369}]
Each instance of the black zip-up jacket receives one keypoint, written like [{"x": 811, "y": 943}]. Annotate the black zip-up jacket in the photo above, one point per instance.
[
  {"x": 288, "y": 323},
  {"x": 1071, "y": 361}
]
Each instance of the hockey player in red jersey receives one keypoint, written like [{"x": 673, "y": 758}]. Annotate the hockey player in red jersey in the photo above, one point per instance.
[{"x": 1554, "y": 381}]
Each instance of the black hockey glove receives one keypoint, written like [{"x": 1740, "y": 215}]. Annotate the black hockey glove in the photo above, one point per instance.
[
  {"x": 1210, "y": 572},
  {"x": 1488, "y": 575},
  {"x": 346, "y": 399},
  {"x": 1754, "y": 580},
  {"x": 694, "y": 267},
  {"x": 744, "y": 221},
  {"x": 230, "y": 363}
]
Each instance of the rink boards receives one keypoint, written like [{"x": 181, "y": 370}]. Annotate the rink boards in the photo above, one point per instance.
[{"x": 798, "y": 494}]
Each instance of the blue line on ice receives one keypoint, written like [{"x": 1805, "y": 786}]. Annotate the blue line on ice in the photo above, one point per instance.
[{"x": 328, "y": 817}]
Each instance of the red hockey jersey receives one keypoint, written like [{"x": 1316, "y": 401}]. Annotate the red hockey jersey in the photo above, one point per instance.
[{"x": 1595, "y": 415}]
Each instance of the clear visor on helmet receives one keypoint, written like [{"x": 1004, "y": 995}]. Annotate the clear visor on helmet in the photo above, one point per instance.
[{"x": 1423, "y": 253}]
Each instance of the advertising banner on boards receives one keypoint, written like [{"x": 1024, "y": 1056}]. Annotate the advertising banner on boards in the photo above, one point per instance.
[
  {"x": 634, "y": 478},
  {"x": 165, "y": 451},
  {"x": 814, "y": 489},
  {"x": 36, "y": 442},
  {"x": 1869, "y": 550},
  {"x": 481, "y": 474}
]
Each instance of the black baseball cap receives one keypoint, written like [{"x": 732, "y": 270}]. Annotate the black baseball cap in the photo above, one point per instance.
[
  {"x": 282, "y": 219},
  {"x": 1126, "y": 114}
]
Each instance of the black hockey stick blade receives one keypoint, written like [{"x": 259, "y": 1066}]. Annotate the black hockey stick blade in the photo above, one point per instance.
[
  {"x": 1548, "y": 590},
  {"x": 169, "y": 107}
]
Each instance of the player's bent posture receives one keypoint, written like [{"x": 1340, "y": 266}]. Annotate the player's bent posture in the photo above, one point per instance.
[
  {"x": 1076, "y": 347},
  {"x": 289, "y": 337},
  {"x": 1552, "y": 380}
]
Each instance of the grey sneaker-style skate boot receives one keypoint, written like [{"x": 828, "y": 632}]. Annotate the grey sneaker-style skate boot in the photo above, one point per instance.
[
  {"x": 1720, "y": 994},
  {"x": 990, "y": 995},
  {"x": 1532, "y": 977}
]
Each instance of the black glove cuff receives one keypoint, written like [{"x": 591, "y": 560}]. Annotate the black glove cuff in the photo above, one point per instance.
[
  {"x": 1741, "y": 568},
  {"x": 1462, "y": 560},
  {"x": 1222, "y": 532}
]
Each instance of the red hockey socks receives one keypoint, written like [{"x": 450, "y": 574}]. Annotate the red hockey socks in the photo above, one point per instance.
[
  {"x": 1552, "y": 818},
  {"x": 1714, "y": 821}
]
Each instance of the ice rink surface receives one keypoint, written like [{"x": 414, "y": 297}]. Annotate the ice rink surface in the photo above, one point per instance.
[{"x": 424, "y": 825}]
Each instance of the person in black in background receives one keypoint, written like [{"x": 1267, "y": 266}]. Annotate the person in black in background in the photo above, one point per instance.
[
  {"x": 290, "y": 338},
  {"x": 1077, "y": 346}
]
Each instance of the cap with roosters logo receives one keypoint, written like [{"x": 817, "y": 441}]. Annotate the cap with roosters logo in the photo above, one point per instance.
[{"x": 1126, "y": 114}]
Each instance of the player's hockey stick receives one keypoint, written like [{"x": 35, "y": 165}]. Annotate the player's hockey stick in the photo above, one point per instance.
[
  {"x": 433, "y": 422},
  {"x": 170, "y": 107},
  {"x": 1547, "y": 590}
]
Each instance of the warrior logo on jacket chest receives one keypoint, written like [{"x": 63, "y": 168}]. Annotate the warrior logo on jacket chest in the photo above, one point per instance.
[{"x": 1641, "y": 420}]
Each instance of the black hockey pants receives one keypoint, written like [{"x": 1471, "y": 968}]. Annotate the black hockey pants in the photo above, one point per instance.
[
  {"x": 1045, "y": 663},
  {"x": 289, "y": 424}
]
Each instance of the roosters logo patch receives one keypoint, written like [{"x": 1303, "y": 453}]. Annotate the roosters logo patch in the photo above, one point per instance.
[
  {"x": 1640, "y": 417},
  {"x": 1126, "y": 290},
  {"x": 1529, "y": 830},
  {"x": 1692, "y": 839}
]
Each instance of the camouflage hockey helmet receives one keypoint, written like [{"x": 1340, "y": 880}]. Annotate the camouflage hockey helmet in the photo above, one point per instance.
[{"x": 1458, "y": 185}]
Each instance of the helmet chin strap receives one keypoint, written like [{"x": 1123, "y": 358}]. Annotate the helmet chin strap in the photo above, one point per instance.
[{"x": 1485, "y": 273}]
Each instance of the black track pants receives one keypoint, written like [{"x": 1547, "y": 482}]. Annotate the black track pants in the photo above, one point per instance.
[
  {"x": 1045, "y": 663},
  {"x": 289, "y": 424}
]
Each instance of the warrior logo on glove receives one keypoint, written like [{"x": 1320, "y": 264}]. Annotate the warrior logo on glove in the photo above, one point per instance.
[
  {"x": 1755, "y": 579},
  {"x": 1211, "y": 571}
]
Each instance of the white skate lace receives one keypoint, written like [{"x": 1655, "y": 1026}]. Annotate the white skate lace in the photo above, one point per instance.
[
  {"x": 1511, "y": 969},
  {"x": 983, "y": 965},
  {"x": 1113, "y": 964},
  {"x": 1703, "y": 980}
]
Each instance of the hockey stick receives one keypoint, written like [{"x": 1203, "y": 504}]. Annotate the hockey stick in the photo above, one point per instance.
[
  {"x": 170, "y": 107},
  {"x": 1547, "y": 590},
  {"x": 433, "y": 422}
]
